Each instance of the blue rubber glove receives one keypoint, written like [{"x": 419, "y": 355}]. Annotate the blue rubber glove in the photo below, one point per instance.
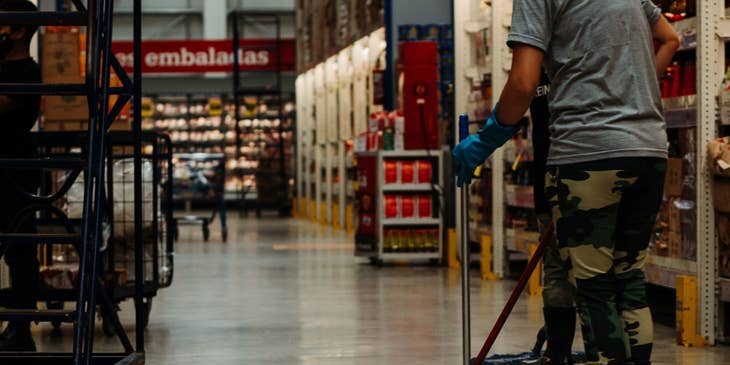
[{"x": 473, "y": 150}]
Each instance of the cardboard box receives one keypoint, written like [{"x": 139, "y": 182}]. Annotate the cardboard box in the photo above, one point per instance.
[
  {"x": 723, "y": 230},
  {"x": 674, "y": 178},
  {"x": 121, "y": 125},
  {"x": 675, "y": 245},
  {"x": 65, "y": 108},
  {"x": 721, "y": 194},
  {"x": 688, "y": 219},
  {"x": 718, "y": 156},
  {"x": 64, "y": 126},
  {"x": 725, "y": 263},
  {"x": 674, "y": 217},
  {"x": 60, "y": 57}
]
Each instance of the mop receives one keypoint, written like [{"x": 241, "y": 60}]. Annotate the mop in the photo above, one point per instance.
[{"x": 514, "y": 359}]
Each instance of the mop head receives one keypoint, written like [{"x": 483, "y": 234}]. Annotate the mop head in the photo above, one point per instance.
[{"x": 525, "y": 359}]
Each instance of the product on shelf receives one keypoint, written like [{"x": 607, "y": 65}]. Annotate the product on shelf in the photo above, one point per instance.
[
  {"x": 391, "y": 206},
  {"x": 391, "y": 171},
  {"x": 407, "y": 172},
  {"x": 425, "y": 171},
  {"x": 407, "y": 206},
  {"x": 410, "y": 240},
  {"x": 425, "y": 206}
]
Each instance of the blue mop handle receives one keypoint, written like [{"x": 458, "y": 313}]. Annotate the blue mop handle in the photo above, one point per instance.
[
  {"x": 463, "y": 127},
  {"x": 464, "y": 238}
]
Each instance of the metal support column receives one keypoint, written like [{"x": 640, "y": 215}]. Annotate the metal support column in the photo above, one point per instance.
[
  {"x": 139, "y": 306},
  {"x": 500, "y": 65},
  {"x": 711, "y": 69}
]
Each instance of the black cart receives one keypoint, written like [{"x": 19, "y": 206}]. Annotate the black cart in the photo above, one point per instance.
[{"x": 59, "y": 263}]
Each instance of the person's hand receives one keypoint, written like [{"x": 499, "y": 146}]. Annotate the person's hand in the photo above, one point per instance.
[
  {"x": 468, "y": 155},
  {"x": 473, "y": 150}
]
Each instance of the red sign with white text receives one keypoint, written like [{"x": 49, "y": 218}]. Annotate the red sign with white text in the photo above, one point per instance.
[{"x": 199, "y": 56}]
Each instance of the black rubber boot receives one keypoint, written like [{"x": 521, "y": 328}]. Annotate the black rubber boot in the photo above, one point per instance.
[
  {"x": 560, "y": 328},
  {"x": 17, "y": 338}
]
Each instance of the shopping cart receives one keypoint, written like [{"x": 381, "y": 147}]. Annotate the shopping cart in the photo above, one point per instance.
[
  {"x": 59, "y": 263},
  {"x": 200, "y": 178}
]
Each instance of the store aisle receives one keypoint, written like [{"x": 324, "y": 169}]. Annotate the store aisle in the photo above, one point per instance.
[{"x": 290, "y": 292}]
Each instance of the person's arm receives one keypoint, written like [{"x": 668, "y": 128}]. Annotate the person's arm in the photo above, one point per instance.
[
  {"x": 521, "y": 84},
  {"x": 668, "y": 39}
]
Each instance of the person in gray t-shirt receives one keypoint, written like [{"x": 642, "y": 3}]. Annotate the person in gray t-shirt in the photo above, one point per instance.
[{"x": 608, "y": 152}]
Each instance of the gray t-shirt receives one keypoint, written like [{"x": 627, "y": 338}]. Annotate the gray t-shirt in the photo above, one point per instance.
[{"x": 599, "y": 55}]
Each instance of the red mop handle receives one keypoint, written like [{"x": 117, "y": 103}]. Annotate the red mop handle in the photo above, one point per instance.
[{"x": 516, "y": 292}]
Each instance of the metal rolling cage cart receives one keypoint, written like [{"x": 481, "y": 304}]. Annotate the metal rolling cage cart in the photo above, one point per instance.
[
  {"x": 59, "y": 262},
  {"x": 96, "y": 16},
  {"x": 273, "y": 151},
  {"x": 200, "y": 177}
]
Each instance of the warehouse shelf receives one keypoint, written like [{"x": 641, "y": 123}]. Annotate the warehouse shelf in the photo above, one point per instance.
[
  {"x": 411, "y": 256},
  {"x": 662, "y": 276},
  {"x": 268, "y": 101},
  {"x": 411, "y": 221},
  {"x": 682, "y": 265},
  {"x": 680, "y": 112},
  {"x": 407, "y": 187}
]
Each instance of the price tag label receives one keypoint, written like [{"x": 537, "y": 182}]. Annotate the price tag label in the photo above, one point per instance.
[
  {"x": 148, "y": 109},
  {"x": 215, "y": 107}
]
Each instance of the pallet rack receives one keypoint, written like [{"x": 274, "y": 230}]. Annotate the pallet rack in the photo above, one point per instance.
[
  {"x": 97, "y": 17},
  {"x": 334, "y": 102},
  {"x": 280, "y": 172}
]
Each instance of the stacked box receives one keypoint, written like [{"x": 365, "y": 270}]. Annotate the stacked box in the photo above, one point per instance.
[
  {"x": 60, "y": 65},
  {"x": 674, "y": 243},
  {"x": 719, "y": 164}
]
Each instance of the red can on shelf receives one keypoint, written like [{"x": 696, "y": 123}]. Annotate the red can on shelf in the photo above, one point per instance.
[
  {"x": 425, "y": 206},
  {"x": 407, "y": 172},
  {"x": 407, "y": 206},
  {"x": 425, "y": 171},
  {"x": 391, "y": 206},
  {"x": 391, "y": 172}
]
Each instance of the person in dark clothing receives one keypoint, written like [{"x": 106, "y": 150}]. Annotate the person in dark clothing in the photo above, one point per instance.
[
  {"x": 18, "y": 115},
  {"x": 557, "y": 293}
]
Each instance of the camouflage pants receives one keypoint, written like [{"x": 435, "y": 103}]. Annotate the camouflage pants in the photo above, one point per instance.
[
  {"x": 604, "y": 212},
  {"x": 557, "y": 290}
]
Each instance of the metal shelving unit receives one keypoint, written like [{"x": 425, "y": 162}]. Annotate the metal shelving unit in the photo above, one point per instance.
[
  {"x": 471, "y": 65},
  {"x": 97, "y": 17},
  {"x": 376, "y": 250},
  {"x": 334, "y": 103},
  {"x": 281, "y": 200}
]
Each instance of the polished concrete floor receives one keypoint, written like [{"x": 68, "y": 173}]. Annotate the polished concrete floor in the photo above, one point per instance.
[{"x": 289, "y": 292}]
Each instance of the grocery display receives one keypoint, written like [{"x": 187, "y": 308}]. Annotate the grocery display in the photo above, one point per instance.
[
  {"x": 205, "y": 124},
  {"x": 264, "y": 136},
  {"x": 264, "y": 124},
  {"x": 399, "y": 207}
]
